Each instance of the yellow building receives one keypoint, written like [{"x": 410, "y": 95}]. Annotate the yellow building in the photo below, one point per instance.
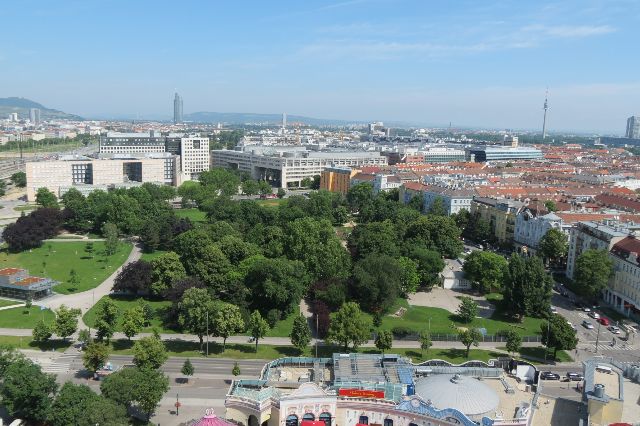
[
  {"x": 500, "y": 214},
  {"x": 337, "y": 179}
]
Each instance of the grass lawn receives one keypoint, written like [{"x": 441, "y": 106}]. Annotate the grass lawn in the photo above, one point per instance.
[
  {"x": 28, "y": 343},
  {"x": 194, "y": 215},
  {"x": 284, "y": 326},
  {"x": 5, "y": 302},
  {"x": 26, "y": 207},
  {"x": 56, "y": 259},
  {"x": 416, "y": 318},
  {"x": 160, "y": 309},
  {"x": 247, "y": 351},
  {"x": 270, "y": 202},
  {"x": 150, "y": 256},
  {"x": 22, "y": 317},
  {"x": 538, "y": 352}
]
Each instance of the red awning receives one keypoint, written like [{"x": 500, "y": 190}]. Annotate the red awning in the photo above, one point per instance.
[{"x": 312, "y": 423}]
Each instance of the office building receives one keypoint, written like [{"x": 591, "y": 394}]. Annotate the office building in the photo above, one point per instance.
[
  {"x": 194, "y": 157},
  {"x": 633, "y": 127},
  {"x": 482, "y": 154},
  {"x": 13, "y": 117},
  {"x": 382, "y": 390},
  {"x": 337, "y": 179},
  {"x": 592, "y": 235},
  {"x": 623, "y": 291},
  {"x": 177, "y": 109},
  {"x": 90, "y": 174},
  {"x": 443, "y": 155},
  {"x": 34, "y": 116},
  {"x": 132, "y": 143},
  {"x": 287, "y": 166}
]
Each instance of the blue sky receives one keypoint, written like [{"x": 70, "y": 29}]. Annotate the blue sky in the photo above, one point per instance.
[{"x": 474, "y": 63}]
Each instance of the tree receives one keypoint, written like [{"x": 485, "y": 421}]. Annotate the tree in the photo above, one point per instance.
[
  {"x": 129, "y": 386},
  {"x": 227, "y": 321},
  {"x": 106, "y": 319},
  {"x": 149, "y": 353},
  {"x": 384, "y": 340},
  {"x": 300, "y": 333},
  {"x": 95, "y": 356},
  {"x": 105, "y": 412},
  {"x": 135, "y": 277},
  {"x": 558, "y": 334},
  {"x": 250, "y": 187},
  {"x": 468, "y": 309},
  {"x": 553, "y": 245},
  {"x": 438, "y": 233},
  {"x": 133, "y": 321},
  {"x": 550, "y": 205},
  {"x": 374, "y": 237},
  {"x": 264, "y": 188},
  {"x": 376, "y": 282},
  {"x": 527, "y": 287},
  {"x": 71, "y": 405},
  {"x": 42, "y": 331},
  {"x": 349, "y": 325},
  {"x": 194, "y": 309},
  {"x": 469, "y": 337},
  {"x": 281, "y": 193},
  {"x": 219, "y": 181},
  {"x": 46, "y": 198},
  {"x": 306, "y": 182},
  {"x": 592, "y": 272},
  {"x": 359, "y": 196},
  {"x": 150, "y": 236},
  {"x": 416, "y": 203},
  {"x": 110, "y": 234},
  {"x": 430, "y": 264},
  {"x": 211, "y": 266},
  {"x": 19, "y": 179},
  {"x": 66, "y": 322},
  {"x": 29, "y": 231},
  {"x": 485, "y": 269},
  {"x": 514, "y": 341},
  {"x": 437, "y": 207},
  {"x": 236, "y": 369},
  {"x": 166, "y": 269},
  {"x": 409, "y": 276},
  {"x": 187, "y": 369},
  {"x": 89, "y": 249},
  {"x": 84, "y": 337},
  {"x": 26, "y": 391},
  {"x": 258, "y": 327},
  {"x": 425, "y": 341}
]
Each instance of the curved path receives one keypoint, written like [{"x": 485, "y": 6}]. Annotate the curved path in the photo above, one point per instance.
[{"x": 86, "y": 299}]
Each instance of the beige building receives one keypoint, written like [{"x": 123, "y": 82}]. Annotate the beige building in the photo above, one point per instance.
[
  {"x": 88, "y": 174},
  {"x": 623, "y": 291},
  {"x": 337, "y": 179}
]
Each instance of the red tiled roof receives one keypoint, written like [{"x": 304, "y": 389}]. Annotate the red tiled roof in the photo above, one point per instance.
[
  {"x": 10, "y": 271},
  {"x": 29, "y": 280},
  {"x": 628, "y": 244}
]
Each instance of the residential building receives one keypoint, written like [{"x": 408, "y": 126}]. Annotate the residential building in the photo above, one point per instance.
[
  {"x": 482, "y": 154},
  {"x": 453, "y": 199},
  {"x": 500, "y": 214},
  {"x": 409, "y": 190},
  {"x": 16, "y": 283},
  {"x": 194, "y": 157},
  {"x": 592, "y": 235},
  {"x": 337, "y": 179},
  {"x": 287, "y": 166},
  {"x": 177, "y": 109},
  {"x": 623, "y": 291},
  {"x": 531, "y": 226},
  {"x": 89, "y": 174},
  {"x": 633, "y": 127},
  {"x": 385, "y": 182},
  {"x": 384, "y": 390}
]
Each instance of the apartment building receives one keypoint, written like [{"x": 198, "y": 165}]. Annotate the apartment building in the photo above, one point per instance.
[
  {"x": 453, "y": 199},
  {"x": 592, "y": 235},
  {"x": 623, "y": 291},
  {"x": 500, "y": 214},
  {"x": 337, "y": 179}
]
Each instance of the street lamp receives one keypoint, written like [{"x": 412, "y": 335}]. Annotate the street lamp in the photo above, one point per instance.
[{"x": 598, "y": 337}]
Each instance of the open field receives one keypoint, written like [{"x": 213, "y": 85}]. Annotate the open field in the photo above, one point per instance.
[
  {"x": 271, "y": 202},
  {"x": 28, "y": 343},
  {"x": 160, "y": 310},
  {"x": 194, "y": 215},
  {"x": 56, "y": 260},
  {"x": 5, "y": 302},
  {"x": 150, "y": 256},
  {"x": 22, "y": 317}
]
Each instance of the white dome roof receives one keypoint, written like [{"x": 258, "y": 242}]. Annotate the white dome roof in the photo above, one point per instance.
[{"x": 465, "y": 394}]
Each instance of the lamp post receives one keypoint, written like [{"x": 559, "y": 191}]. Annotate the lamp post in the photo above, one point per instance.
[
  {"x": 597, "y": 338},
  {"x": 207, "y": 316},
  {"x": 546, "y": 349}
]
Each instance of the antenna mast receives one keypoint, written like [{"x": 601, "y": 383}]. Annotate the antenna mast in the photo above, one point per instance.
[{"x": 544, "y": 120}]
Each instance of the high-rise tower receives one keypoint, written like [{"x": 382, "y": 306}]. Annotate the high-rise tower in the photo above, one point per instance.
[
  {"x": 177, "y": 109},
  {"x": 544, "y": 119},
  {"x": 34, "y": 116},
  {"x": 284, "y": 120},
  {"x": 633, "y": 127}
]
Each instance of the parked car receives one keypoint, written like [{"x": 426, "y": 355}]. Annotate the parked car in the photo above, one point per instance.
[
  {"x": 574, "y": 377},
  {"x": 604, "y": 321},
  {"x": 614, "y": 329},
  {"x": 554, "y": 310},
  {"x": 586, "y": 324},
  {"x": 548, "y": 375},
  {"x": 586, "y": 309}
]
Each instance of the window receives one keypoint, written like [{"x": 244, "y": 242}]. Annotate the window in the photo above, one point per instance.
[
  {"x": 292, "y": 420},
  {"x": 326, "y": 418},
  {"x": 309, "y": 416},
  {"x": 365, "y": 420},
  {"x": 388, "y": 422}
]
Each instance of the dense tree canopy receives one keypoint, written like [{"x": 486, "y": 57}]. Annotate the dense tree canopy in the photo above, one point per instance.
[
  {"x": 376, "y": 282},
  {"x": 527, "y": 287},
  {"x": 592, "y": 272},
  {"x": 486, "y": 270},
  {"x": 554, "y": 245}
]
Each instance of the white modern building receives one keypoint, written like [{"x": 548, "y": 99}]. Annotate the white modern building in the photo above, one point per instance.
[
  {"x": 194, "y": 156},
  {"x": 454, "y": 199},
  {"x": 531, "y": 227},
  {"x": 285, "y": 166}
]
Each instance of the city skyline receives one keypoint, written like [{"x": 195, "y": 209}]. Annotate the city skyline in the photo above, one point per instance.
[{"x": 474, "y": 65}]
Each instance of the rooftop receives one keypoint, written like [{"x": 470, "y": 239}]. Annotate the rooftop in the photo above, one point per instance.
[{"x": 10, "y": 271}]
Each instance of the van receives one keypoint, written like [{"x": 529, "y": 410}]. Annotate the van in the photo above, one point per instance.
[{"x": 604, "y": 369}]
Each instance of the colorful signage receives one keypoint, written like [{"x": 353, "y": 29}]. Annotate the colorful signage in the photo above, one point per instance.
[{"x": 361, "y": 393}]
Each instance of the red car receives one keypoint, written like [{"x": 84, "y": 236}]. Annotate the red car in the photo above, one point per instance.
[{"x": 603, "y": 321}]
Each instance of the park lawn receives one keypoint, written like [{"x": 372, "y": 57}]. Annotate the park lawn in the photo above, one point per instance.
[
  {"x": 22, "y": 317},
  {"x": 160, "y": 308},
  {"x": 537, "y": 353},
  {"x": 26, "y": 342},
  {"x": 65, "y": 256},
  {"x": 416, "y": 318},
  {"x": 284, "y": 326},
  {"x": 26, "y": 207},
  {"x": 194, "y": 215},
  {"x": 182, "y": 348},
  {"x": 150, "y": 256},
  {"x": 270, "y": 202},
  {"x": 5, "y": 302}
]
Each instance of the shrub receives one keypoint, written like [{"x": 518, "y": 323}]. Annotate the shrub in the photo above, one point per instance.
[
  {"x": 401, "y": 331},
  {"x": 273, "y": 316}
]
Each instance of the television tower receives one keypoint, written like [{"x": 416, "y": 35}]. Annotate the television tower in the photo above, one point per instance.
[{"x": 544, "y": 120}]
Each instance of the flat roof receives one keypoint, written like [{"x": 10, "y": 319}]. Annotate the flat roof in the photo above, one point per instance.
[{"x": 10, "y": 271}]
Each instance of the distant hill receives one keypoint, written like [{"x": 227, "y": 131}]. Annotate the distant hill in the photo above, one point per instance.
[
  {"x": 251, "y": 118},
  {"x": 22, "y": 106}
]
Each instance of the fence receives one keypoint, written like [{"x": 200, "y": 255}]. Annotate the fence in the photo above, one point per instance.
[{"x": 441, "y": 337}]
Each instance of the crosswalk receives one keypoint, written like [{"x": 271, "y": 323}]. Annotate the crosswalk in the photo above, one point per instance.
[
  {"x": 61, "y": 364},
  {"x": 617, "y": 347}
]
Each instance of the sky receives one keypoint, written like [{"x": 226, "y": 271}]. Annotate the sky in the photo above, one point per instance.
[{"x": 472, "y": 63}]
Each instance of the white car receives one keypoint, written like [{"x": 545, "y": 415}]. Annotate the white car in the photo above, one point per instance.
[
  {"x": 586, "y": 324},
  {"x": 614, "y": 329},
  {"x": 586, "y": 309},
  {"x": 594, "y": 315}
]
